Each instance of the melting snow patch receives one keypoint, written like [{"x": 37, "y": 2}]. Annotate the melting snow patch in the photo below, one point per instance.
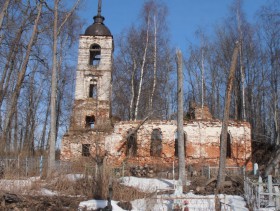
[
  {"x": 96, "y": 204},
  {"x": 147, "y": 185},
  {"x": 165, "y": 202},
  {"x": 47, "y": 192},
  {"x": 74, "y": 177}
]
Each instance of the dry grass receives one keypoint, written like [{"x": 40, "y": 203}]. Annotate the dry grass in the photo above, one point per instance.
[
  {"x": 124, "y": 193},
  {"x": 65, "y": 186}
]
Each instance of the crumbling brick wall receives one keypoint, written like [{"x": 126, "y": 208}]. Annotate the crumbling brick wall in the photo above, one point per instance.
[
  {"x": 198, "y": 112},
  {"x": 202, "y": 140},
  {"x": 72, "y": 144},
  {"x": 83, "y": 108}
]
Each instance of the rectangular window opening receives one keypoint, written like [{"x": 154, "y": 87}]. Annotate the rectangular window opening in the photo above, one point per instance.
[
  {"x": 86, "y": 150},
  {"x": 93, "y": 91}
]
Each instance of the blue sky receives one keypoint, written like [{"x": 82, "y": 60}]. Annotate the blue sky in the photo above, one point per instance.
[{"x": 185, "y": 16}]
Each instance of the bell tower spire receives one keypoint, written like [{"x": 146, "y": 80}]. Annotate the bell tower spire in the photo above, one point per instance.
[
  {"x": 99, "y": 18},
  {"x": 99, "y": 7},
  {"x": 98, "y": 27}
]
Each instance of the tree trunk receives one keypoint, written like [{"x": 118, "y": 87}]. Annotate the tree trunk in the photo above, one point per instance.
[
  {"x": 180, "y": 123},
  {"x": 202, "y": 79},
  {"x": 142, "y": 69},
  {"x": 155, "y": 65},
  {"x": 3, "y": 12},
  {"x": 16, "y": 150},
  {"x": 43, "y": 137},
  {"x": 223, "y": 145},
  {"x": 131, "y": 110}
]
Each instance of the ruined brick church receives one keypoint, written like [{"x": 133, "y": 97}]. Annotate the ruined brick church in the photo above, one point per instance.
[{"x": 92, "y": 132}]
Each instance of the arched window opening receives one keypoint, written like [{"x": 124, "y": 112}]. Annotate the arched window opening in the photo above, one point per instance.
[
  {"x": 90, "y": 120},
  {"x": 176, "y": 153},
  {"x": 156, "y": 143},
  {"x": 95, "y": 55},
  {"x": 131, "y": 146},
  {"x": 86, "y": 150},
  {"x": 93, "y": 89},
  {"x": 228, "y": 152},
  {"x": 228, "y": 146}
]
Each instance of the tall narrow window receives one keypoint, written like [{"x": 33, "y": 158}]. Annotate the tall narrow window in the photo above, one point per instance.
[
  {"x": 85, "y": 150},
  {"x": 228, "y": 153},
  {"x": 93, "y": 89},
  {"x": 95, "y": 55},
  {"x": 90, "y": 120},
  {"x": 131, "y": 146},
  {"x": 228, "y": 146},
  {"x": 156, "y": 143},
  {"x": 176, "y": 153}
]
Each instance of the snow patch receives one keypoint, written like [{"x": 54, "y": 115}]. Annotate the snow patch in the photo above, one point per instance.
[
  {"x": 48, "y": 192},
  {"x": 146, "y": 184},
  {"x": 74, "y": 177},
  {"x": 96, "y": 204}
]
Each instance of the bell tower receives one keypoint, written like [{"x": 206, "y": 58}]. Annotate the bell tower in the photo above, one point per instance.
[{"x": 92, "y": 105}]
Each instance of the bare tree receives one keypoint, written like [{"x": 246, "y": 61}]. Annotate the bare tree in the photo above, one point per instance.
[
  {"x": 155, "y": 63},
  {"x": 21, "y": 74},
  {"x": 142, "y": 67}
]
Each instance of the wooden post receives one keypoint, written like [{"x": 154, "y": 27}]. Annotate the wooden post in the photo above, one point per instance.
[
  {"x": 277, "y": 198},
  {"x": 259, "y": 191},
  {"x": 223, "y": 145},
  {"x": 123, "y": 169},
  {"x": 255, "y": 168},
  {"x": 180, "y": 122},
  {"x": 269, "y": 186}
]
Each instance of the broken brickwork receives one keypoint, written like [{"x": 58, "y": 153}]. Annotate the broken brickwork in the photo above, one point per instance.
[
  {"x": 198, "y": 112},
  {"x": 202, "y": 140}
]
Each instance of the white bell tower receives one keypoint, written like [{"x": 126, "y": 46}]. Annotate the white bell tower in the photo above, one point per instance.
[{"x": 92, "y": 106}]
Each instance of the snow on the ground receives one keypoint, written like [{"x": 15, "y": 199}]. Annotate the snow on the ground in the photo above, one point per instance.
[
  {"x": 192, "y": 201},
  {"x": 74, "y": 177},
  {"x": 47, "y": 192},
  {"x": 166, "y": 202},
  {"x": 146, "y": 184},
  {"x": 95, "y": 204}
]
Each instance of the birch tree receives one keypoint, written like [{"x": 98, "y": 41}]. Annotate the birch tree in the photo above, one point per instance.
[
  {"x": 142, "y": 68},
  {"x": 145, "y": 55}
]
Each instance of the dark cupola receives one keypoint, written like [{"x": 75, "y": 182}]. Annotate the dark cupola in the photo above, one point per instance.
[{"x": 98, "y": 28}]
